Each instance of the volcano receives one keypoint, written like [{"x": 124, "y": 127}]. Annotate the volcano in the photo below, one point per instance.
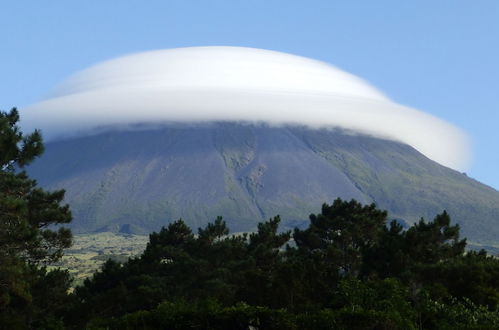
[
  {"x": 137, "y": 181},
  {"x": 194, "y": 133}
]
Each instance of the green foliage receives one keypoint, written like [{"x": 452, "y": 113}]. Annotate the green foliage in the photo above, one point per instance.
[
  {"x": 341, "y": 233},
  {"x": 17, "y": 149},
  {"x": 178, "y": 265},
  {"x": 347, "y": 270},
  {"x": 473, "y": 276},
  {"x": 405, "y": 253},
  {"x": 211, "y": 315},
  {"x": 387, "y": 301},
  {"x": 457, "y": 314},
  {"x": 332, "y": 247},
  {"x": 203, "y": 315},
  {"x": 435, "y": 241},
  {"x": 27, "y": 237}
]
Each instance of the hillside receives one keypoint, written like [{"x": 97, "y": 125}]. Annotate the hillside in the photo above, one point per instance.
[{"x": 138, "y": 181}]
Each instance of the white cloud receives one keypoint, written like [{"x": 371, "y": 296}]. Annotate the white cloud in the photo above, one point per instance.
[{"x": 241, "y": 84}]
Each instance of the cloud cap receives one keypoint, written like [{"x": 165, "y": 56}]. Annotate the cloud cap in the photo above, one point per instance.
[{"x": 238, "y": 84}]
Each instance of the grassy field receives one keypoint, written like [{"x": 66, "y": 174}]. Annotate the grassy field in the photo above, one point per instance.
[{"x": 90, "y": 251}]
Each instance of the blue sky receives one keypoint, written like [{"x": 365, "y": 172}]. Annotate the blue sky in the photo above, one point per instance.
[{"x": 441, "y": 57}]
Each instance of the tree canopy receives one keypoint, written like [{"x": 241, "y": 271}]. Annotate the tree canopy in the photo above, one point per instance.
[
  {"x": 28, "y": 214},
  {"x": 347, "y": 269}
]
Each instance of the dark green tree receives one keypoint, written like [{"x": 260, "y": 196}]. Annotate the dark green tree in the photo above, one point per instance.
[
  {"x": 27, "y": 218},
  {"x": 434, "y": 241},
  {"x": 404, "y": 254},
  {"x": 261, "y": 285},
  {"x": 341, "y": 233},
  {"x": 170, "y": 243},
  {"x": 474, "y": 276},
  {"x": 332, "y": 247}
]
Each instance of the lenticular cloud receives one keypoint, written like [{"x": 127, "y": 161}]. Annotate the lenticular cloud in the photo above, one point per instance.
[{"x": 202, "y": 84}]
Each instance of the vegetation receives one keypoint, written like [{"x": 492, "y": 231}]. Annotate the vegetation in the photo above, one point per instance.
[
  {"x": 28, "y": 292},
  {"x": 348, "y": 269},
  {"x": 90, "y": 251}
]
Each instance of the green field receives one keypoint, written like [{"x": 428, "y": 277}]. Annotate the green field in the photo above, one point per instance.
[{"x": 90, "y": 251}]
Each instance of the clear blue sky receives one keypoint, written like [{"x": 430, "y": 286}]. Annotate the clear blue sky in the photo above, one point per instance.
[{"x": 438, "y": 56}]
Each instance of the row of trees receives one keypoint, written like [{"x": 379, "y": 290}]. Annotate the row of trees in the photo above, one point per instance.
[{"x": 348, "y": 269}]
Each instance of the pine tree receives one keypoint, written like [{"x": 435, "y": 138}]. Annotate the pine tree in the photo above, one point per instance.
[
  {"x": 27, "y": 218},
  {"x": 341, "y": 233}
]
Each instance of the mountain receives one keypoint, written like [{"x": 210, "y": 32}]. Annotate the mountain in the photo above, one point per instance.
[{"x": 139, "y": 180}]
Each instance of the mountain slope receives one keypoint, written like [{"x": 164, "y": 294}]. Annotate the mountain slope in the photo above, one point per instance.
[
  {"x": 140, "y": 180},
  {"x": 409, "y": 185}
]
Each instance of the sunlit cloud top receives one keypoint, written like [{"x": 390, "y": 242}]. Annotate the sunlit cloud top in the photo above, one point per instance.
[{"x": 203, "y": 84}]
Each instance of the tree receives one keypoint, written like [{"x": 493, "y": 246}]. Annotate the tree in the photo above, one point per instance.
[
  {"x": 332, "y": 247},
  {"x": 169, "y": 243},
  {"x": 262, "y": 286},
  {"x": 341, "y": 233},
  {"x": 27, "y": 218},
  {"x": 400, "y": 253},
  {"x": 434, "y": 241}
]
